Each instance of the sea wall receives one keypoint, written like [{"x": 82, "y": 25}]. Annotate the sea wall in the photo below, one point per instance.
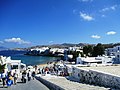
[
  {"x": 50, "y": 85},
  {"x": 96, "y": 77}
]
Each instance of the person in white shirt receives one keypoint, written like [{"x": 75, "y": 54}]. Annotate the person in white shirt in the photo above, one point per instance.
[{"x": 3, "y": 75}]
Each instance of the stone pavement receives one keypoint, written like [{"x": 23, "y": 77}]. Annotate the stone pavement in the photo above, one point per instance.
[
  {"x": 29, "y": 85},
  {"x": 107, "y": 69},
  {"x": 69, "y": 83}
]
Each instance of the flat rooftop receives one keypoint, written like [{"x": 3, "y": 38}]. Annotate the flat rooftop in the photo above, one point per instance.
[{"x": 115, "y": 70}]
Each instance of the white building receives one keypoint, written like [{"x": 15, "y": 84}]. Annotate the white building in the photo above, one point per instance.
[
  {"x": 94, "y": 60},
  {"x": 11, "y": 65},
  {"x": 115, "y": 51},
  {"x": 117, "y": 57},
  {"x": 80, "y": 49},
  {"x": 42, "y": 49},
  {"x": 112, "y": 51},
  {"x": 53, "y": 50}
]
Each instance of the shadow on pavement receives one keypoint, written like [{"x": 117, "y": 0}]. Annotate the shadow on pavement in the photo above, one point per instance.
[
  {"x": 3, "y": 87},
  {"x": 19, "y": 82}
]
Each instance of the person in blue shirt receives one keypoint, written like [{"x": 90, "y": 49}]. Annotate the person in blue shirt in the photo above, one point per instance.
[{"x": 9, "y": 78}]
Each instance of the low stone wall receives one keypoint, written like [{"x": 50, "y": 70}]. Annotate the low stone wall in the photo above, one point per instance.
[
  {"x": 50, "y": 85},
  {"x": 96, "y": 78}
]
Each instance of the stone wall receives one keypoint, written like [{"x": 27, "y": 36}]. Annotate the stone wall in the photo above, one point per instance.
[
  {"x": 50, "y": 85},
  {"x": 96, "y": 78}
]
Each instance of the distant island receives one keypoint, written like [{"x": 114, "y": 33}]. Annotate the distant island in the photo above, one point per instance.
[
  {"x": 3, "y": 48},
  {"x": 64, "y": 45}
]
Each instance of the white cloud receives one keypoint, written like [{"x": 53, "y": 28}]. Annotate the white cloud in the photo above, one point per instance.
[
  {"x": 111, "y": 33},
  {"x": 103, "y": 16},
  {"x": 1, "y": 42},
  {"x": 109, "y": 8},
  {"x": 113, "y": 7},
  {"x": 86, "y": 17},
  {"x": 85, "y": 0},
  {"x": 50, "y": 41},
  {"x": 105, "y": 9},
  {"x": 95, "y": 36},
  {"x": 17, "y": 40},
  {"x": 74, "y": 11}
]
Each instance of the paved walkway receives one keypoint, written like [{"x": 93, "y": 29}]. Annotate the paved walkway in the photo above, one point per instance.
[
  {"x": 69, "y": 83},
  {"x": 29, "y": 85}
]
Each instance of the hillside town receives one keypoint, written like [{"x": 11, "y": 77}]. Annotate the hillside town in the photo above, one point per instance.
[
  {"x": 59, "y": 45},
  {"x": 85, "y": 54},
  {"x": 74, "y": 64}
]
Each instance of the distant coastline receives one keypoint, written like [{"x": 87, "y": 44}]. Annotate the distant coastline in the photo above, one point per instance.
[
  {"x": 27, "y": 59},
  {"x": 52, "y": 55}
]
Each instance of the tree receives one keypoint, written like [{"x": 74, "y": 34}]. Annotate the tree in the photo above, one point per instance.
[
  {"x": 75, "y": 55},
  {"x": 2, "y": 67},
  {"x": 88, "y": 50},
  {"x": 98, "y": 50}
]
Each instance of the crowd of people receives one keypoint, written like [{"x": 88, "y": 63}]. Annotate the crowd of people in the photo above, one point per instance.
[
  {"x": 10, "y": 78},
  {"x": 54, "y": 70},
  {"x": 27, "y": 75}
]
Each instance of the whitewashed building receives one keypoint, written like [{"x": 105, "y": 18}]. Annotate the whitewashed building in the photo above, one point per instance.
[
  {"x": 80, "y": 49},
  {"x": 112, "y": 51},
  {"x": 11, "y": 65},
  {"x": 42, "y": 49},
  {"x": 117, "y": 57},
  {"x": 94, "y": 60},
  {"x": 115, "y": 51}
]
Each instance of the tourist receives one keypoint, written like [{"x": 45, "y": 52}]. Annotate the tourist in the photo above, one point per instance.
[
  {"x": 15, "y": 75},
  {"x": 0, "y": 77},
  {"x": 43, "y": 71},
  {"x": 33, "y": 74},
  {"x": 29, "y": 75},
  {"x": 9, "y": 79},
  {"x": 35, "y": 67},
  {"x": 46, "y": 70},
  {"x": 40, "y": 70},
  {"x": 3, "y": 76},
  {"x": 23, "y": 76}
]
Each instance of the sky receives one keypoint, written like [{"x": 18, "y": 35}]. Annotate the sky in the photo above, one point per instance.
[{"x": 25, "y": 23}]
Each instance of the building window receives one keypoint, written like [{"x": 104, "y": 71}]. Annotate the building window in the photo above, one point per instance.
[{"x": 14, "y": 67}]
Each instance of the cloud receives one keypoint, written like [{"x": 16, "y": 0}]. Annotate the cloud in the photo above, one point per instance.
[
  {"x": 95, "y": 36},
  {"x": 111, "y": 33},
  {"x": 103, "y": 16},
  {"x": 17, "y": 40},
  {"x": 74, "y": 11},
  {"x": 109, "y": 8},
  {"x": 50, "y": 41},
  {"x": 85, "y": 0},
  {"x": 1, "y": 42},
  {"x": 105, "y": 9},
  {"x": 86, "y": 17},
  {"x": 113, "y": 7}
]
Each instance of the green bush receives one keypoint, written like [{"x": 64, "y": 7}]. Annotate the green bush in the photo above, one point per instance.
[{"x": 2, "y": 67}]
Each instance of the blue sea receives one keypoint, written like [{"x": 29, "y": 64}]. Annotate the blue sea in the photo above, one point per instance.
[{"x": 28, "y": 60}]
